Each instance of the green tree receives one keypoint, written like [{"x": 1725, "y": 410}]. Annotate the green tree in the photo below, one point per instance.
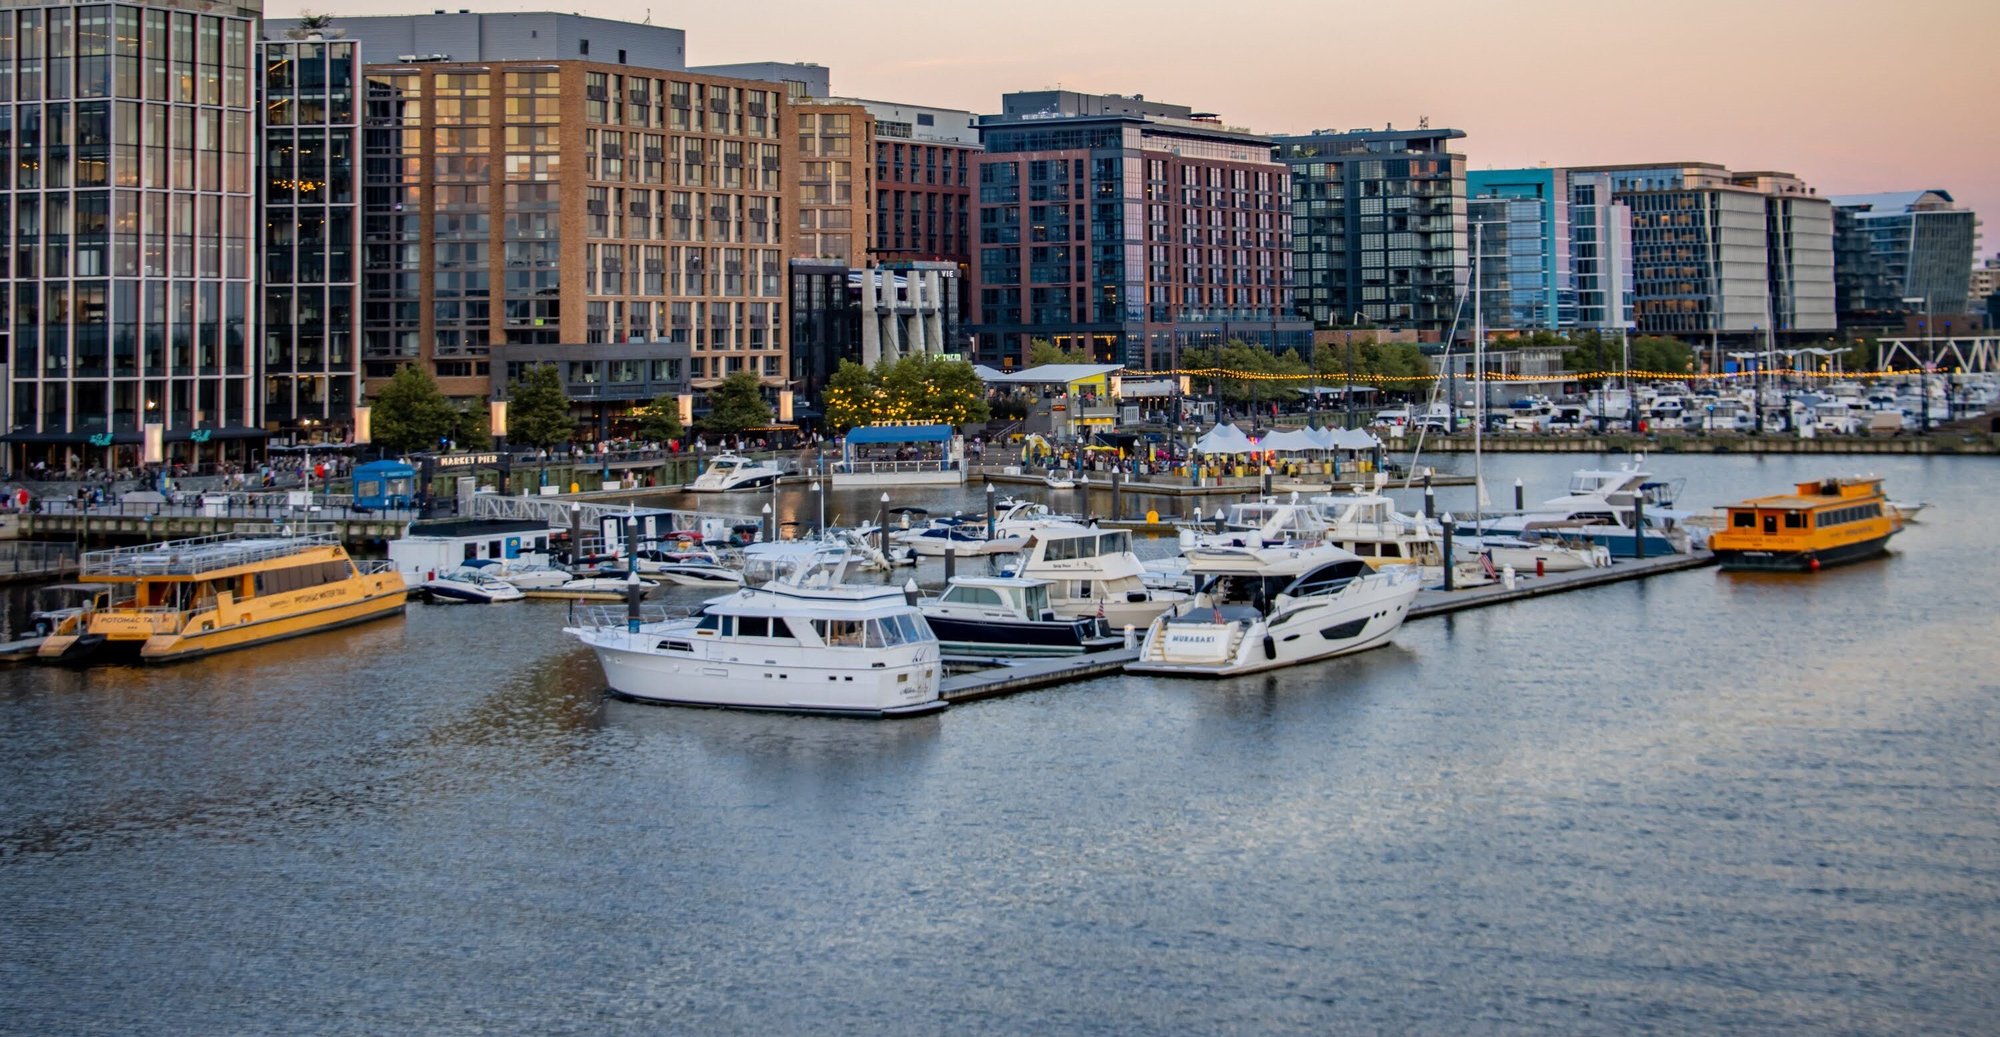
[
  {"x": 1042, "y": 351},
  {"x": 736, "y": 406},
  {"x": 411, "y": 414},
  {"x": 852, "y": 397},
  {"x": 914, "y": 390},
  {"x": 660, "y": 420},
  {"x": 1662, "y": 354},
  {"x": 471, "y": 427},
  {"x": 538, "y": 411}
]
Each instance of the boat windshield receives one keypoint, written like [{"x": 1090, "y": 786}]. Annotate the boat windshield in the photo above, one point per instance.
[
  {"x": 886, "y": 632},
  {"x": 1036, "y": 598}
]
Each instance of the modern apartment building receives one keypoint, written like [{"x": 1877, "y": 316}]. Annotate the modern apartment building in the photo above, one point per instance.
[
  {"x": 537, "y": 181},
  {"x": 923, "y": 191},
  {"x": 128, "y": 231},
  {"x": 1901, "y": 245},
  {"x": 1128, "y": 231},
  {"x": 1600, "y": 235},
  {"x": 835, "y": 177},
  {"x": 1520, "y": 238},
  {"x": 1719, "y": 254},
  {"x": 1378, "y": 226},
  {"x": 311, "y": 314}
]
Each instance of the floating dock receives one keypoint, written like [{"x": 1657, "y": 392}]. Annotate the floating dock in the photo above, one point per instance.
[{"x": 1041, "y": 673}]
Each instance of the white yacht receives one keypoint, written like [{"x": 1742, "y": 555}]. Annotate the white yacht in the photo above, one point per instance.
[
  {"x": 1093, "y": 572},
  {"x": 689, "y": 567},
  {"x": 1059, "y": 479},
  {"x": 468, "y": 585},
  {"x": 811, "y": 644},
  {"x": 966, "y": 535},
  {"x": 1366, "y": 523},
  {"x": 726, "y": 472},
  {"x": 1545, "y": 549},
  {"x": 1601, "y": 506},
  {"x": 1266, "y": 607}
]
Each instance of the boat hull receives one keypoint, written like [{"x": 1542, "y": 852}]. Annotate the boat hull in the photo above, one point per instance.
[
  {"x": 1308, "y": 634},
  {"x": 97, "y": 649},
  {"x": 1025, "y": 637},
  {"x": 1800, "y": 561},
  {"x": 900, "y": 688}
]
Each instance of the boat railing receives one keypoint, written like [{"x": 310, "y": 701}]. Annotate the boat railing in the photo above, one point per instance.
[
  {"x": 374, "y": 566},
  {"x": 619, "y": 617},
  {"x": 201, "y": 554}
]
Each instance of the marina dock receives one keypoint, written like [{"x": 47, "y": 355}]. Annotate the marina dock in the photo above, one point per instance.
[{"x": 1042, "y": 673}]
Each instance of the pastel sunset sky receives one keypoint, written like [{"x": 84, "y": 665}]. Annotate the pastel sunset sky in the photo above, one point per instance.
[{"x": 1852, "y": 95}]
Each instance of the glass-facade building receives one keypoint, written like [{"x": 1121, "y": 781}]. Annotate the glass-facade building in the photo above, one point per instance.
[
  {"x": 312, "y": 236},
  {"x": 1600, "y": 235},
  {"x": 127, "y": 230},
  {"x": 1378, "y": 226},
  {"x": 1902, "y": 245},
  {"x": 1129, "y": 237},
  {"x": 1721, "y": 254},
  {"x": 1520, "y": 223}
]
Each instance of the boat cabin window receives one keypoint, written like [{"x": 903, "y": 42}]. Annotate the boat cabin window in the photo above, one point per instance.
[
  {"x": 1795, "y": 520},
  {"x": 839, "y": 633},
  {"x": 710, "y": 622},
  {"x": 753, "y": 626},
  {"x": 1744, "y": 519},
  {"x": 675, "y": 646},
  {"x": 299, "y": 577},
  {"x": 1037, "y": 599},
  {"x": 973, "y": 595},
  {"x": 890, "y": 631}
]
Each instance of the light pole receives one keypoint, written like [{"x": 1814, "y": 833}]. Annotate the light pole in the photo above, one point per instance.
[{"x": 1930, "y": 358}]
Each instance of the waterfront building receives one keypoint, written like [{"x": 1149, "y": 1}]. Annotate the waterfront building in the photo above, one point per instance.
[
  {"x": 1127, "y": 231},
  {"x": 923, "y": 193},
  {"x": 894, "y": 310},
  {"x": 547, "y": 180},
  {"x": 835, "y": 180},
  {"x": 1718, "y": 254},
  {"x": 1520, "y": 221},
  {"x": 1902, "y": 245},
  {"x": 1600, "y": 230},
  {"x": 128, "y": 232},
  {"x": 1378, "y": 226},
  {"x": 311, "y": 313}
]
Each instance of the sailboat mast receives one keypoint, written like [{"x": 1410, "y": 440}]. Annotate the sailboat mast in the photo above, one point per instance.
[{"x": 1478, "y": 385}]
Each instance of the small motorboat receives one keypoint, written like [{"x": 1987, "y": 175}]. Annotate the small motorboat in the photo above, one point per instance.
[
  {"x": 1060, "y": 479},
  {"x": 1909, "y": 508},
  {"x": 726, "y": 472},
  {"x": 467, "y": 585}
]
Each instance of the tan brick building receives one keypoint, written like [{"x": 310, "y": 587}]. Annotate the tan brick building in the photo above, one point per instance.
[{"x": 544, "y": 206}]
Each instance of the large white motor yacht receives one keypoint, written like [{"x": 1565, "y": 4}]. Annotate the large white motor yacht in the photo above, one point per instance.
[
  {"x": 1267, "y": 607},
  {"x": 808, "y": 644},
  {"x": 726, "y": 472}
]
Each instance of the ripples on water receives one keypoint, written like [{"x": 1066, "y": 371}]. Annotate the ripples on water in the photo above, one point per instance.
[{"x": 1704, "y": 803}]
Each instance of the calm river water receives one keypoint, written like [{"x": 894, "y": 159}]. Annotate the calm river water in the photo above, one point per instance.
[{"x": 1705, "y": 803}]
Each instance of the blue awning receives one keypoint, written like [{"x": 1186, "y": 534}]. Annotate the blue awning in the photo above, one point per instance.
[{"x": 899, "y": 434}]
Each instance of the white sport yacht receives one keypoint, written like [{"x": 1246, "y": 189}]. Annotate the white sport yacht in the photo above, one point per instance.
[
  {"x": 808, "y": 644},
  {"x": 468, "y": 585},
  {"x": 689, "y": 567},
  {"x": 726, "y": 472},
  {"x": 1262, "y": 608}
]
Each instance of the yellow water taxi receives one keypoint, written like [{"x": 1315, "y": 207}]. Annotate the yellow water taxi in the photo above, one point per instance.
[
  {"x": 187, "y": 598},
  {"x": 1825, "y": 522}
]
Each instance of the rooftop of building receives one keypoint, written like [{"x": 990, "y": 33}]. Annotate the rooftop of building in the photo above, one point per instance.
[
  {"x": 481, "y": 36},
  {"x": 1368, "y": 134},
  {"x": 1895, "y": 203}
]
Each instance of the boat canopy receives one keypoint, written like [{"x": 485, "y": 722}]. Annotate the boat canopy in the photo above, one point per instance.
[{"x": 899, "y": 434}]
